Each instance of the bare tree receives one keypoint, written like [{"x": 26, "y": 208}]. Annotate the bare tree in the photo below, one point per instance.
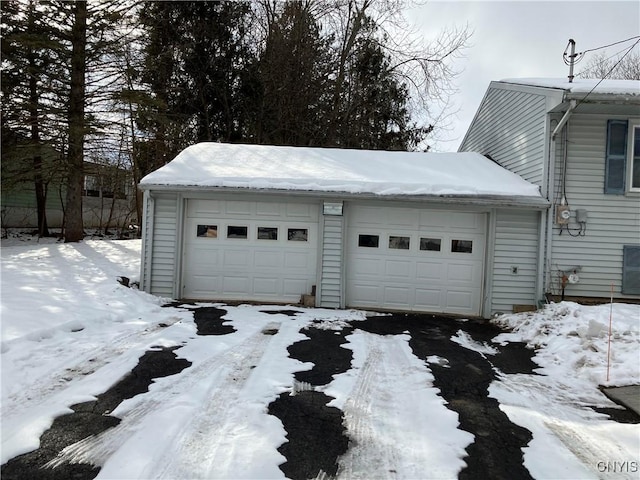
[{"x": 621, "y": 66}]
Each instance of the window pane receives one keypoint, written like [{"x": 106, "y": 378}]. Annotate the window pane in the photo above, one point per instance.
[
  {"x": 368, "y": 241},
  {"x": 267, "y": 233},
  {"x": 209, "y": 231},
  {"x": 298, "y": 234},
  {"x": 236, "y": 232},
  {"x": 431, "y": 244},
  {"x": 635, "y": 179},
  {"x": 461, "y": 246},
  {"x": 399, "y": 243}
]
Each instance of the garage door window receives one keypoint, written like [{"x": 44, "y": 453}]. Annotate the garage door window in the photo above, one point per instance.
[
  {"x": 234, "y": 231},
  {"x": 399, "y": 243},
  {"x": 298, "y": 234},
  {"x": 368, "y": 241},
  {"x": 430, "y": 244},
  {"x": 267, "y": 233},
  {"x": 461, "y": 246},
  {"x": 208, "y": 231}
]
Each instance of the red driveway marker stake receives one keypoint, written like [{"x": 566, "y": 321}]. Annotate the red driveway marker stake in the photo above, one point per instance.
[{"x": 609, "y": 346}]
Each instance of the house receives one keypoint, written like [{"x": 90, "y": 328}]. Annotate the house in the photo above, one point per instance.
[
  {"x": 580, "y": 143},
  {"x": 108, "y": 197},
  {"x": 434, "y": 232}
]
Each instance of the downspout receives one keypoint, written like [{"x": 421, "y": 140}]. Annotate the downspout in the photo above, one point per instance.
[
  {"x": 548, "y": 247},
  {"x": 565, "y": 118}
]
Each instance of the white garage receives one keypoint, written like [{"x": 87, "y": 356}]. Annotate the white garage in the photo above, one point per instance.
[
  {"x": 415, "y": 259},
  {"x": 238, "y": 250},
  {"x": 449, "y": 233}
]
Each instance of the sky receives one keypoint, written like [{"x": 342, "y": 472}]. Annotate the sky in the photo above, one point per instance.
[{"x": 520, "y": 39}]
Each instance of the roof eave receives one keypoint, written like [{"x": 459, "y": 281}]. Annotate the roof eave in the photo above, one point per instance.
[
  {"x": 464, "y": 199},
  {"x": 614, "y": 98}
]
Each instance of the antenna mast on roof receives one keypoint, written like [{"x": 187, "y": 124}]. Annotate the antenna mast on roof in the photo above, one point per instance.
[{"x": 572, "y": 58}]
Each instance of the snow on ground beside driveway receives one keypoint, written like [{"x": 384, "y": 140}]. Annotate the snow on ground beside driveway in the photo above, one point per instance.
[
  {"x": 70, "y": 331},
  {"x": 571, "y": 440}
]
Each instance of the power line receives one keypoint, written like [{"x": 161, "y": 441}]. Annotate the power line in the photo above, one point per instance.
[
  {"x": 577, "y": 57},
  {"x": 603, "y": 60},
  {"x": 609, "y": 72},
  {"x": 610, "y": 45}
]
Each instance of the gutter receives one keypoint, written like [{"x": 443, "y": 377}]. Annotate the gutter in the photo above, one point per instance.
[{"x": 538, "y": 202}]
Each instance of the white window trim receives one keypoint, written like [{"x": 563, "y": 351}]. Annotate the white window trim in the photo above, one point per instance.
[{"x": 633, "y": 124}]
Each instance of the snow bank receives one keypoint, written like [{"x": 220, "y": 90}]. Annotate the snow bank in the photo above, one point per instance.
[{"x": 572, "y": 340}]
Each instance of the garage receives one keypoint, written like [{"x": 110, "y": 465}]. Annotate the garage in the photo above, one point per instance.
[
  {"x": 409, "y": 231},
  {"x": 415, "y": 259},
  {"x": 262, "y": 250}
]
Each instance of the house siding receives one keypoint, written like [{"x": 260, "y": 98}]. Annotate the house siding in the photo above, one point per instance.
[
  {"x": 515, "y": 245},
  {"x": 510, "y": 127},
  {"x": 163, "y": 246},
  {"x": 613, "y": 220},
  {"x": 331, "y": 287}
]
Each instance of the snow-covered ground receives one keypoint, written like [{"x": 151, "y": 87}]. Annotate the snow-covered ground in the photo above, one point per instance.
[{"x": 70, "y": 331}]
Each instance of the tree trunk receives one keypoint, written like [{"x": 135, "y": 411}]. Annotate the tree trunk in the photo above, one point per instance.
[
  {"x": 75, "y": 175},
  {"x": 34, "y": 121}
]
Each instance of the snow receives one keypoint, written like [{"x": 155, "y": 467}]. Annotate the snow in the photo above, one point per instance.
[
  {"x": 70, "y": 331},
  {"x": 338, "y": 170},
  {"x": 582, "y": 85}
]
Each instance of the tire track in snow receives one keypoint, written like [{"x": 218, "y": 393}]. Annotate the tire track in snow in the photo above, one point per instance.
[
  {"x": 198, "y": 437},
  {"x": 367, "y": 452},
  {"x": 41, "y": 390}
]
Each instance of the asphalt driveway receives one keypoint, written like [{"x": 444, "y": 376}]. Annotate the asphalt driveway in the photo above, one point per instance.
[{"x": 315, "y": 431}]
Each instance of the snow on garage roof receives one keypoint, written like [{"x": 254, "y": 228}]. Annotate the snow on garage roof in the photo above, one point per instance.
[
  {"x": 582, "y": 85},
  {"x": 376, "y": 172}
]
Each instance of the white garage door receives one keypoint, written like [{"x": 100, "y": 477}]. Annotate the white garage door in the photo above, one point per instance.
[
  {"x": 413, "y": 259},
  {"x": 241, "y": 250}
]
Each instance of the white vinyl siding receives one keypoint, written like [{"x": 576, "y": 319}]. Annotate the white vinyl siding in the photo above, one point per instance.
[
  {"x": 332, "y": 272},
  {"x": 516, "y": 246},
  {"x": 510, "y": 127},
  {"x": 613, "y": 220},
  {"x": 164, "y": 248}
]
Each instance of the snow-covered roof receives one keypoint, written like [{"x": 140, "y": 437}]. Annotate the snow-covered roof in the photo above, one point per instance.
[
  {"x": 582, "y": 85},
  {"x": 207, "y": 165}
]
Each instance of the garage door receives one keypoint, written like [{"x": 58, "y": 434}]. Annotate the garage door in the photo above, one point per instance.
[
  {"x": 241, "y": 250},
  {"x": 413, "y": 259}
]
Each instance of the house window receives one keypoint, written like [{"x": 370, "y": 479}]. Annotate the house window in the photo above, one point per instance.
[
  {"x": 430, "y": 244},
  {"x": 622, "y": 162},
  {"x": 234, "y": 231},
  {"x": 461, "y": 246},
  {"x": 208, "y": 231},
  {"x": 298, "y": 234},
  {"x": 399, "y": 243},
  {"x": 267, "y": 233},
  {"x": 631, "y": 269},
  {"x": 369, "y": 241},
  {"x": 91, "y": 186}
]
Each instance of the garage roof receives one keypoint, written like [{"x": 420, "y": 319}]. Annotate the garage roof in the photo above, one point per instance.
[{"x": 373, "y": 172}]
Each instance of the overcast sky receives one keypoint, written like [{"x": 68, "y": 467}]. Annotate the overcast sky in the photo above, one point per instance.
[{"x": 517, "y": 39}]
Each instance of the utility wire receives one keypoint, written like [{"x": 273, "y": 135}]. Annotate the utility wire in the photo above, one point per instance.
[
  {"x": 577, "y": 57},
  {"x": 609, "y": 72},
  {"x": 610, "y": 45},
  {"x": 615, "y": 55}
]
